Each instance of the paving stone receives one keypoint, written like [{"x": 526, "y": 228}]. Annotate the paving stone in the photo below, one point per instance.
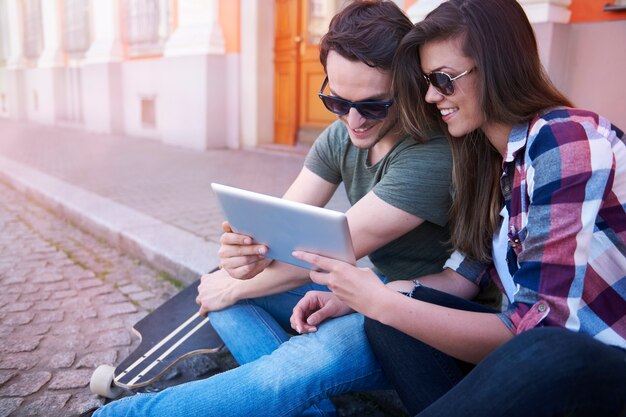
[
  {"x": 49, "y": 317},
  {"x": 5, "y": 330},
  {"x": 19, "y": 361},
  {"x": 67, "y": 329},
  {"x": 17, "y": 307},
  {"x": 93, "y": 360},
  {"x": 48, "y": 305},
  {"x": 33, "y": 330},
  {"x": 76, "y": 342},
  {"x": 130, "y": 289},
  {"x": 93, "y": 292},
  {"x": 76, "y": 272},
  {"x": 5, "y": 376},
  {"x": 70, "y": 379},
  {"x": 64, "y": 294},
  {"x": 47, "y": 278},
  {"x": 37, "y": 296},
  {"x": 9, "y": 405},
  {"x": 88, "y": 314},
  {"x": 56, "y": 287},
  {"x": 114, "y": 338},
  {"x": 141, "y": 296},
  {"x": 117, "y": 309},
  {"x": 17, "y": 319},
  {"x": 13, "y": 279},
  {"x": 115, "y": 297},
  {"x": 62, "y": 360},
  {"x": 87, "y": 283},
  {"x": 19, "y": 344},
  {"x": 25, "y": 384},
  {"x": 49, "y": 404},
  {"x": 76, "y": 303},
  {"x": 99, "y": 326},
  {"x": 82, "y": 402}
]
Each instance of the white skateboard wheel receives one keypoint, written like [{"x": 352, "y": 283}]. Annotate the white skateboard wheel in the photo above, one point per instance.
[{"x": 101, "y": 382}]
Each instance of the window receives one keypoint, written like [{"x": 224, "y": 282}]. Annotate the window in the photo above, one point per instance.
[
  {"x": 76, "y": 37},
  {"x": 615, "y": 6},
  {"x": 148, "y": 112},
  {"x": 4, "y": 34},
  {"x": 33, "y": 33},
  {"x": 145, "y": 26},
  {"x": 320, "y": 13}
]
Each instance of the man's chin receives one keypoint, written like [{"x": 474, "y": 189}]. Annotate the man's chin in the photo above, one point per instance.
[{"x": 363, "y": 143}]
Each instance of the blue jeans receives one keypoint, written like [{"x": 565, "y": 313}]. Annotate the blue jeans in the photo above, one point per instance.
[
  {"x": 279, "y": 374},
  {"x": 541, "y": 372},
  {"x": 256, "y": 327},
  {"x": 298, "y": 374}
]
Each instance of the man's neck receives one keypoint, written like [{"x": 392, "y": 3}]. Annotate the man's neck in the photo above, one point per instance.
[{"x": 382, "y": 148}]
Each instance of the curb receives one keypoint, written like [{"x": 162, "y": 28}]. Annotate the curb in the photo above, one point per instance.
[{"x": 165, "y": 247}]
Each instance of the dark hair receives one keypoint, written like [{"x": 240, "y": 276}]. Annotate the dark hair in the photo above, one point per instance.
[
  {"x": 366, "y": 31},
  {"x": 513, "y": 88}
]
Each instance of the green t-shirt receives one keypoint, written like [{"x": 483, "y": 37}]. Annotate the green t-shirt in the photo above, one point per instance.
[{"x": 414, "y": 177}]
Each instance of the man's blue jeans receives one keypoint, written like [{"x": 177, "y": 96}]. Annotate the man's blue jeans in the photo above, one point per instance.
[
  {"x": 256, "y": 327},
  {"x": 278, "y": 376},
  {"x": 541, "y": 372}
]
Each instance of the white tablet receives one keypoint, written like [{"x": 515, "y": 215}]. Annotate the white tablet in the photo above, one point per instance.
[{"x": 285, "y": 226}]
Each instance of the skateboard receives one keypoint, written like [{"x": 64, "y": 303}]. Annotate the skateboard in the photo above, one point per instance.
[{"x": 171, "y": 333}]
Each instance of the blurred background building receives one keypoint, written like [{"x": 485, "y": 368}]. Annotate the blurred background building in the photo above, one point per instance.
[{"x": 209, "y": 74}]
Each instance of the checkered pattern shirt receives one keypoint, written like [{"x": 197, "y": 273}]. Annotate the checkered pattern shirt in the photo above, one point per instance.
[{"x": 564, "y": 185}]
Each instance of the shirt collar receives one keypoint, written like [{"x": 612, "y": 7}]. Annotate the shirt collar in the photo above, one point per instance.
[{"x": 517, "y": 140}]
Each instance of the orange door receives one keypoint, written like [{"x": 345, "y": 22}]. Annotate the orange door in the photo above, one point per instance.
[
  {"x": 286, "y": 52},
  {"x": 299, "y": 114}
]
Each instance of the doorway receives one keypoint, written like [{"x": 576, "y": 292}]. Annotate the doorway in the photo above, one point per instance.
[{"x": 299, "y": 115}]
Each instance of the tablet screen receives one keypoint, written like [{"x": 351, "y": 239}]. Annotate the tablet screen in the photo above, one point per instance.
[{"x": 285, "y": 226}]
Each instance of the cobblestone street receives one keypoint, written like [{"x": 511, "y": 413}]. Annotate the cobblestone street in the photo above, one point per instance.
[{"x": 66, "y": 306}]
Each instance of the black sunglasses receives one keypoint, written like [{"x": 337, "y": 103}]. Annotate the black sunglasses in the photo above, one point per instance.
[
  {"x": 443, "y": 82},
  {"x": 374, "y": 110}
]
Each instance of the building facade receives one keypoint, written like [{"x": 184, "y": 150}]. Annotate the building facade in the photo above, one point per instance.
[{"x": 209, "y": 74}]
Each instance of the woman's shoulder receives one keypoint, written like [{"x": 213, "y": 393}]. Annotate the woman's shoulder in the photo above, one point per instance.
[
  {"x": 564, "y": 116},
  {"x": 566, "y": 125}
]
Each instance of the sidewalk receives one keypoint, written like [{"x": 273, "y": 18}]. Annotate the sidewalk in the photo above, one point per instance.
[
  {"x": 70, "y": 299},
  {"x": 151, "y": 200}
]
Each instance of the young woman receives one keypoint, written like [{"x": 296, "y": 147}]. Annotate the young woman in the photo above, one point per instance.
[{"x": 539, "y": 208}]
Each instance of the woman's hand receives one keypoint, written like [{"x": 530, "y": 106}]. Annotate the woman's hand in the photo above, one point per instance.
[
  {"x": 239, "y": 257},
  {"x": 359, "y": 288},
  {"x": 314, "y": 308}
]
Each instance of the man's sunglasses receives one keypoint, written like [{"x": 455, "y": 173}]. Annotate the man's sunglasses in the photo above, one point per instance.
[
  {"x": 374, "y": 110},
  {"x": 443, "y": 82}
]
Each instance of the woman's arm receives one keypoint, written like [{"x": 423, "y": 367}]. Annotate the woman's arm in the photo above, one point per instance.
[{"x": 468, "y": 336}]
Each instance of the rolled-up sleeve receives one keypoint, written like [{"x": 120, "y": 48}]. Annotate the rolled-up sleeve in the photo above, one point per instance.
[{"x": 476, "y": 272}]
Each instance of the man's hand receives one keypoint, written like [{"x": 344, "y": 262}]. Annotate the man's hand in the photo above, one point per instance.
[
  {"x": 239, "y": 257},
  {"x": 214, "y": 292},
  {"x": 314, "y": 308}
]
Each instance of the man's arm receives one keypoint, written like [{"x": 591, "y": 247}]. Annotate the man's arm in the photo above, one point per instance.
[
  {"x": 244, "y": 260},
  {"x": 373, "y": 223}
]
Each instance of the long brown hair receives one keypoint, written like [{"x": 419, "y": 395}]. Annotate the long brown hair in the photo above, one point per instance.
[{"x": 513, "y": 88}]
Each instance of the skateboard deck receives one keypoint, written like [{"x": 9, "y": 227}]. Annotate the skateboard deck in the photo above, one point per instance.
[{"x": 171, "y": 333}]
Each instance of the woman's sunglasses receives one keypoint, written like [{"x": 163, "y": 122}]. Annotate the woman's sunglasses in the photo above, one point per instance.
[
  {"x": 443, "y": 82},
  {"x": 374, "y": 110}
]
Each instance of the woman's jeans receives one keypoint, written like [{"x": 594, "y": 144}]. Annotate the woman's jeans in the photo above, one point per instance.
[
  {"x": 278, "y": 376},
  {"x": 541, "y": 372}
]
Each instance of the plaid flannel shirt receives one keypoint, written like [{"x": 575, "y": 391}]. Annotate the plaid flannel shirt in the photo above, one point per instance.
[{"x": 564, "y": 185}]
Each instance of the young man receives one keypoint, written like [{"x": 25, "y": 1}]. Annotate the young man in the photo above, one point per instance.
[{"x": 399, "y": 190}]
